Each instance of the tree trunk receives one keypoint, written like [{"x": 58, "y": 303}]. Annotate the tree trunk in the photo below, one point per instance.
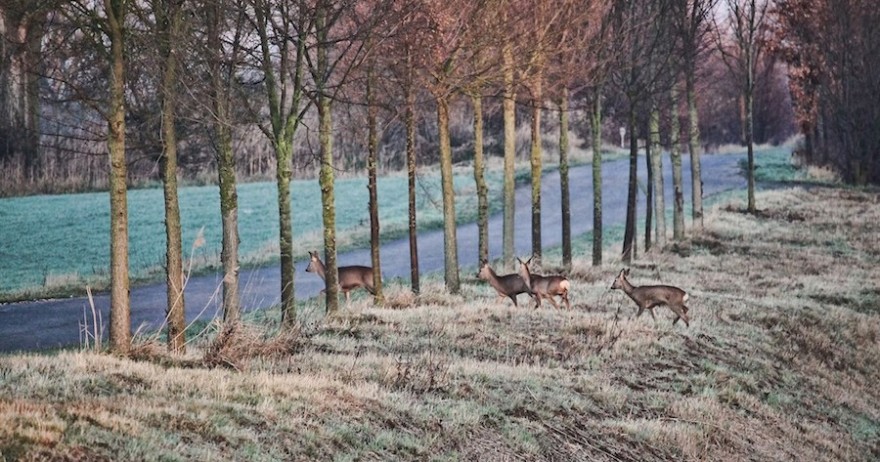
[
  {"x": 563, "y": 180},
  {"x": 675, "y": 158},
  {"x": 225, "y": 169},
  {"x": 748, "y": 96},
  {"x": 450, "y": 247},
  {"x": 328, "y": 199},
  {"x": 694, "y": 148},
  {"x": 657, "y": 173},
  {"x": 372, "y": 173},
  {"x": 629, "y": 232},
  {"x": 509, "y": 110},
  {"x": 480, "y": 180},
  {"x": 536, "y": 158},
  {"x": 283, "y": 173},
  {"x": 596, "y": 132},
  {"x": 411, "y": 176},
  {"x": 168, "y": 21},
  {"x": 649, "y": 190},
  {"x": 120, "y": 308},
  {"x": 229, "y": 224}
]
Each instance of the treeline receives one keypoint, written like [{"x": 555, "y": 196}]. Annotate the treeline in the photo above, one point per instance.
[
  {"x": 119, "y": 91},
  {"x": 52, "y": 141},
  {"x": 833, "y": 51}
]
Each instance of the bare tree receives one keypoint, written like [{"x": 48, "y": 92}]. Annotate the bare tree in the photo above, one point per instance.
[
  {"x": 104, "y": 30},
  {"x": 221, "y": 58},
  {"x": 741, "y": 47},
  {"x": 645, "y": 53},
  {"x": 283, "y": 27},
  {"x": 340, "y": 33},
  {"x": 168, "y": 15},
  {"x": 373, "y": 186},
  {"x": 693, "y": 25}
]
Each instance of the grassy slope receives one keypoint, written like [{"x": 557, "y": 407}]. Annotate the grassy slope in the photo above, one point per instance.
[{"x": 781, "y": 362}]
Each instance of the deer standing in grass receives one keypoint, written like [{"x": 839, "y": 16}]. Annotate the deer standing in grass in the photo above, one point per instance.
[
  {"x": 509, "y": 285},
  {"x": 545, "y": 286},
  {"x": 350, "y": 277},
  {"x": 648, "y": 297}
]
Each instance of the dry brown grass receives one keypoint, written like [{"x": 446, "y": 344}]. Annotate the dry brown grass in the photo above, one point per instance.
[{"x": 781, "y": 362}]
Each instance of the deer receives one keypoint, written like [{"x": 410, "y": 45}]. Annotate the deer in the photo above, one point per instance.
[
  {"x": 648, "y": 297},
  {"x": 509, "y": 285},
  {"x": 545, "y": 286},
  {"x": 350, "y": 277}
]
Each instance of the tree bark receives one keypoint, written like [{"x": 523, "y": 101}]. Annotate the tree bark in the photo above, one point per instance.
[
  {"x": 748, "y": 96},
  {"x": 657, "y": 174},
  {"x": 169, "y": 21},
  {"x": 536, "y": 158},
  {"x": 328, "y": 199},
  {"x": 509, "y": 111},
  {"x": 675, "y": 159},
  {"x": 694, "y": 148},
  {"x": 225, "y": 167},
  {"x": 649, "y": 190},
  {"x": 596, "y": 132},
  {"x": 563, "y": 180},
  {"x": 480, "y": 180},
  {"x": 372, "y": 173},
  {"x": 450, "y": 247},
  {"x": 120, "y": 308},
  {"x": 411, "y": 175},
  {"x": 629, "y": 233},
  {"x": 284, "y": 92}
]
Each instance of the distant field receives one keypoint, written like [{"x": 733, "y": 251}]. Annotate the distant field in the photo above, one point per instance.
[
  {"x": 61, "y": 242},
  {"x": 781, "y": 362}
]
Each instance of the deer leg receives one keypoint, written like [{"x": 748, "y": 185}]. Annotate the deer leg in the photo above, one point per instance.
[
  {"x": 651, "y": 310},
  {"x": 512, "y": 297},
  {"x": 537, "y": 300},
  {"x": 553, "y": 301},
  {"x": 564, "y": 296},
  {"x": 680, "y": 312}
]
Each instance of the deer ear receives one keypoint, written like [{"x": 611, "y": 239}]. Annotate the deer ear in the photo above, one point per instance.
[
  {"x": 530, "y": 259},
  {"x": 626, "y": 272}
]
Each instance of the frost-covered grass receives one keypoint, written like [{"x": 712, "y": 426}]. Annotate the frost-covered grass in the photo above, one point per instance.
[
  {"x": 780, "y": 362},
  {"x": 58, "y": 244}
]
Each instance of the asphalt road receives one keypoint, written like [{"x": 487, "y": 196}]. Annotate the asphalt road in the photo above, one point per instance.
[{"x": 43, "y": 324}]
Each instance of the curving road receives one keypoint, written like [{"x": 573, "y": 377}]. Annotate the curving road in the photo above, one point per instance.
[{"x": 43, "y": 324}]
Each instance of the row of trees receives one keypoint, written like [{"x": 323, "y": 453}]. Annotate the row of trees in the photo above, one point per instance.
[{"x": 216, "y": 70}]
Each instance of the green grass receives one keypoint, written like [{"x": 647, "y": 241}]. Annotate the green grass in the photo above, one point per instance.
[{"x": 58, "y": 244}]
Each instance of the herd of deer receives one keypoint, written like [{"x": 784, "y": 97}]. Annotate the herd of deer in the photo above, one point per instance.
[{"x": 524, "y": 281}]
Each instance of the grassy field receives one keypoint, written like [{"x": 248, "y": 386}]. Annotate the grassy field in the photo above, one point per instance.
[
  {"x": 56, "y": 245},
  {"x": 781, "y": 362}
]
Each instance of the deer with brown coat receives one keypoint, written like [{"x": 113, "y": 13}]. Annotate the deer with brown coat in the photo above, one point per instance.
[
  {"x": 350, "y": 277},
  {"x": 545, "y": 286},
  {"x": 509, "y": 285},
  {"x": 648, "y": 297}
]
